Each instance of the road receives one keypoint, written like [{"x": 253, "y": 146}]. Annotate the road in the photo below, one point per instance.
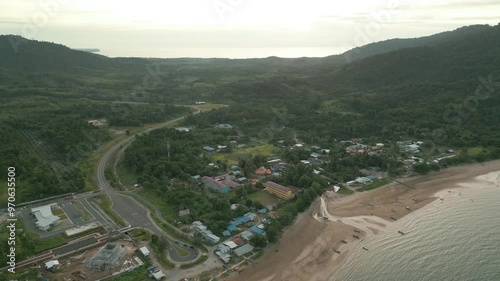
[{"x": 132, "y": 211}]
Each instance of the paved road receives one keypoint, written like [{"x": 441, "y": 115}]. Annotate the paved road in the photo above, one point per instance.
[{"x": 132, "y": 211}]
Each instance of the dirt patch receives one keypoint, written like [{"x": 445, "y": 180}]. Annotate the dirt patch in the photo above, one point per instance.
[{"x": 75, "y": 267}]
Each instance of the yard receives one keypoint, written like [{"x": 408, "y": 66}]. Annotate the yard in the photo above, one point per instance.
[
  {"x": 263, "y": 197},
  {"x": 239, "y": 153}
]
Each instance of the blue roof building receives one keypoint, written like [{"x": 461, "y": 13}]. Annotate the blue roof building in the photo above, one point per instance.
[
  {"x": 263, "y": 211},
  {"x": 231, "y": 227},
  {"x": 256, "y": 230}
]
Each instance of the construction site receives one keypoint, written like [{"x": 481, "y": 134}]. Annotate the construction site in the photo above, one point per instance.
[{"x": 96, "y": 263}]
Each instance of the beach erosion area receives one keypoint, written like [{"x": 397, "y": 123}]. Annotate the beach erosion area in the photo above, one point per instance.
[{"x": 323, "y": 238}]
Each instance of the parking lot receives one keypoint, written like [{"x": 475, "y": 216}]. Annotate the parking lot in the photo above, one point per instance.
[{"x": 72, "y": 217}]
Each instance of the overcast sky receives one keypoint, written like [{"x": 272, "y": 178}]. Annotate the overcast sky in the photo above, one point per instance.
[{"x": 235, "y": 28}]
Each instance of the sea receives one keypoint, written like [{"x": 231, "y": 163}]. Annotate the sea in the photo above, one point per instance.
[
  {"x": 232, "y": 53},
  {"x": 456, "y": 238}
]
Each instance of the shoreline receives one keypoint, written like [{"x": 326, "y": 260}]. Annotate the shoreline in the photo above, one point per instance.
[{"x": 306, "y": 251}]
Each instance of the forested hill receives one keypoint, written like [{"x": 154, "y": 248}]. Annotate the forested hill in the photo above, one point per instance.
[
  {"x": 31, "y": 56},
  {"x": 400, "y": 43}
]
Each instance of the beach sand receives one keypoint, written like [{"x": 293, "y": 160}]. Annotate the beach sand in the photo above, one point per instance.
[{"x": 306, "y": 251}]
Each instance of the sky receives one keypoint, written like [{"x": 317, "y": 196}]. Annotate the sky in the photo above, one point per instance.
[{"x": 235, "y": 28}]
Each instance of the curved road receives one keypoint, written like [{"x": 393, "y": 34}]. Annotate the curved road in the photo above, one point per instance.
[{"x": 131, "y": 210}]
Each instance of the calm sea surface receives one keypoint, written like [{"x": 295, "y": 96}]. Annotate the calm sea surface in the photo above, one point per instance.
[{"x": 457, "y": 239}]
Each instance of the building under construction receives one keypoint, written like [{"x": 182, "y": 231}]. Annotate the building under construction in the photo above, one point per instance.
[{"x": 107, "y": 258}]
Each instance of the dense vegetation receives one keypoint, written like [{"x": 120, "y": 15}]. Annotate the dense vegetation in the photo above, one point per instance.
[{"x": 441, "y": 89}]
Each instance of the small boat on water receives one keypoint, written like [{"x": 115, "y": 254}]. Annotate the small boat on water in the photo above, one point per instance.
[
  {"x": 366, "y": 249},
  {"x": 401, "y": 232},
  {"x": 408, "y": 208},
  {"x": 394, "y": 218},
  {"x": 337, "y": 251},
  {"x": 343, "y": 241},
  {"x": 357, "y": 231},
  {"x": 355, "y": 236},
  {"x": 414, "y": 199}
]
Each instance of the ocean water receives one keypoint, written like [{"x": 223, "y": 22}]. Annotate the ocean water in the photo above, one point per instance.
[{"x": 455, "y": 239}]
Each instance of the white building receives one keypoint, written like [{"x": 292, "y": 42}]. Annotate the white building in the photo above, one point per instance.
[
  {"x": 52, "y": 264},
  {"x": 145, "y": 251},
  {"x": 44, "y": 217}
]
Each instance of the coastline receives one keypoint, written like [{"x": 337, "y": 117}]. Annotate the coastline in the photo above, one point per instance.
[{"x": 306, "y": 251}]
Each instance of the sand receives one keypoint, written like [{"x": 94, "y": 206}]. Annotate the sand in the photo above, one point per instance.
[{"x": 306, "y": 251}]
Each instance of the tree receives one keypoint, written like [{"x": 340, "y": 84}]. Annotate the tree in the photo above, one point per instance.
[{"x": 258, "y": 241}]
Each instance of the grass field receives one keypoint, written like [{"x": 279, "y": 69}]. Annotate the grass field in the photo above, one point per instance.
[
  {"x": 127, "y": 178},
  {"x": 182, "y": 252},
  {"x": 263, "y": 197},
  {"x": 86, "y": 216},
  {"x": 376, "y": 184},
  {"x": 207, "y": 107},
  {"x": 239, "y": 153},
  {"x": 60, "y": 213}
]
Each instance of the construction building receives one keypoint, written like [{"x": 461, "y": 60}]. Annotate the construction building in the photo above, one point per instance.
[{"x": 107, "y": 258}]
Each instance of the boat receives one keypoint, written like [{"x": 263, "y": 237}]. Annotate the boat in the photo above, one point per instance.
[
  {"x": 337, "y": 251},
  {"x": 401, "y": 232},
  {"x": 343, "y": 241},
  {"x": 394, "y": 218},
  {"x": 408, "y": 208},
  {"x": 357, "y": 231},
  {"x": 371, "y": 204},
  {"x": 366, "y": 249},
  {"x": 355, "y": 236}
]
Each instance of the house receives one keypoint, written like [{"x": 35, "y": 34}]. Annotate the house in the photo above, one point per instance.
[
  {"x": 274, "y": 214},
  {"x": 243, "y": 250},
  {"x": 209, "y": 149},
  {"x": 210, "y": 237},
  {"x": 262, "y": 211},
  {"x": 251, "y": 216},
  {"x": 256, "y": 230},
  {"x": 52, "y": 265},
  {"x": 278, "y": 190},
  {"x": 158, "y": 275},
  {"x": 315, "y": 155},
  {"x": 220, "y": 147},
  {"x": 223, "y": 126},
  {"x": 262, "y": 171},
  {"x": 325, "y": 151},
  {"x": 231, "y": 244},
  {"x": 231, "y": 228},
  {"x": 247, "y": 235},
  {"x": 298, "y": 145},
  {"x": 305, "y": 162},
  {"x": 216, "y": 185},
  {"x": 183, "y": 213},
  {"x": 199, "y": 102},
  {"x": 234, "y": 207},
  {"x": 95, "y": 122},
  {"x": 413, "y": 148},
  {"x": 238, "y": 241},
  {"x": 198, "y": 226},
  {"x": 379, "y": 144},
  {"x": 242, "y": 179},
  {"x": 197, "y": 177},
  {"x": 182, "y": 129},
  {"x": 145, "y": 251},
  {"x": 44, "y": 217},
  {"x": 240, "y": 220},
  {"x": 362, "y": 180}
]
